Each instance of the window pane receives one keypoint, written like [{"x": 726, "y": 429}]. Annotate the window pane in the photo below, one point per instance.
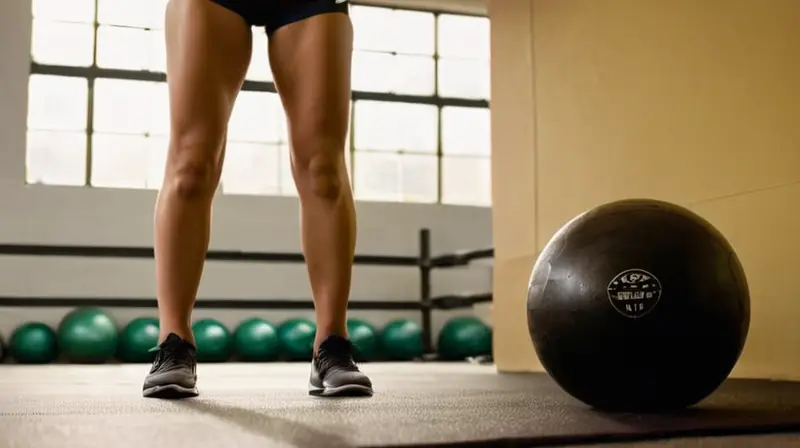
[
  {"x": 257, "y": 117},
  {"x": 370, "y": 28},
  {"x": 420, "y": 178},
  {"x": 127, "y": 161},
  {"x": 157, "y": 161},
  {"x": 158, "y": 52},
  {"x": 259, "y": 69},
  {"x": 372, "y": 72},
  {"x": 62, "y": 43},
  {"x": 415, "y": 31},
  {"x": 57, "y": 103},
  {"x": 464, "y": 78},
  {"x": 395, "y": 177},
  {"x": 414, "y": 75},
  {"x": 467, "y": 181},
  {"x": 383, "y": 72},
  {"x": 383, "y": 29},
  {"x": 251, "y": 168},
  {"x": 139, "y": 13},
  {"x": 466, "y": 130},
  {"x": 159, "y": 109},
  {"x": 56, "y": 158},
  {"x": 464, "y": 37},
  {"x": 287, "y": 187},
  {"x": 386, "y": 126},
  {"x": 377, "y": 176},
  {"x": 128, "y": 107},
  {"x": 130, "y": 49},
  {"x": 71, "y": 11}
]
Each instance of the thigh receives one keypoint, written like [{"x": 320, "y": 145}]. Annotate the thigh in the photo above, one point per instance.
[
  {"x": 311, "y": 62},
  {"x": 208, "y": 53}
]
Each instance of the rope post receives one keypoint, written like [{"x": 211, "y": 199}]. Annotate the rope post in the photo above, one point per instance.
[{"x": 425, "y": 289}]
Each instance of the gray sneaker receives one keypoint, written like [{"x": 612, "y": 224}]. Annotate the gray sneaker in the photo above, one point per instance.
[
  {"x": 174, "y": 370},
  {"x": 334, "y": 373}
]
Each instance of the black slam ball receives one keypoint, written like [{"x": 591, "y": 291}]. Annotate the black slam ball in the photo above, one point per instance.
[{"x": 638, "y": 305}]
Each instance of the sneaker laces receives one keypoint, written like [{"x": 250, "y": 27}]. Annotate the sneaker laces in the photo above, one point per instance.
[
  {"x": 174, "y": 353},
  {"x": 336, "y": 354}
]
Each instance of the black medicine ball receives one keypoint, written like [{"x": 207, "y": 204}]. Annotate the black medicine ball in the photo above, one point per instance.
[{"x": 638, "y": 305}]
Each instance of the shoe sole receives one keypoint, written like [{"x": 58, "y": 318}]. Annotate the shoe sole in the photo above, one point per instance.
[
  {"x": 170, "y": 391},
  {"x": 348, "y": 390}
]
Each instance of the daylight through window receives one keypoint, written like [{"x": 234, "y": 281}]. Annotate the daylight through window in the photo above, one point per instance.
[{"x": 98, "y": 106}]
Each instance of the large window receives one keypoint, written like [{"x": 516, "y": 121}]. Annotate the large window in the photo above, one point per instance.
[{"x": 98, "y": 106}]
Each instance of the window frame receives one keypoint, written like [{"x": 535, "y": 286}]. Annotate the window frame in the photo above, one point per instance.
[{"x": 93, "y": 72}]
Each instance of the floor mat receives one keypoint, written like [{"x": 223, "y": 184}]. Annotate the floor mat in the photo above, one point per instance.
[{"x": 267, "y": 405}]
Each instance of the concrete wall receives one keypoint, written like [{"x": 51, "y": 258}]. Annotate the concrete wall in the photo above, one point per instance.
[
  {"x": 57, "y": 215},
  {"x": 692, "y": 102}
]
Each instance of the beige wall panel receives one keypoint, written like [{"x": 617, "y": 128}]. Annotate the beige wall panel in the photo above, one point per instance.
[{"x": 693, "y": 102}]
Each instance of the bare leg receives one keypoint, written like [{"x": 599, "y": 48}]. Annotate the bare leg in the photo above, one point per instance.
[
  {"x": 208, "y": 52},
  {"x": 311, "y": 65}
]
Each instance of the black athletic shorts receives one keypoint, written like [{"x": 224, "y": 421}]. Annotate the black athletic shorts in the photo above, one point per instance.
[{"x": 273, "y": 14}]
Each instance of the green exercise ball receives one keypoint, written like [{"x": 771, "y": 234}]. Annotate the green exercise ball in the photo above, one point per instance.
[
  {"x": 88, "y": 335},
  {"x": 462, "y": 337},
  {"x": 296, "y": 338},
  {"x": 33, "y": 343},
  {"x": 256, "y": 340},
  {"x": 137, "y": 339},
  {"x": 213, "y": 340},
  {"x": 364, "y": 338},
  {"x": 401, "y": 340}
]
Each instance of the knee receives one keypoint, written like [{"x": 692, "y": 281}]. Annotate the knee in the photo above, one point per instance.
[
  {"x": 192, "y": 168},
  {"x": 322, "y": 175}
]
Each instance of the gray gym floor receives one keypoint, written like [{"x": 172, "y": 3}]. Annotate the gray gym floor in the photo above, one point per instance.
[{"x": 266, "y": 405}]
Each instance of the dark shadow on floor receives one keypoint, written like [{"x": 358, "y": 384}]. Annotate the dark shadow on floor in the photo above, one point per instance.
[{"x": 268, "y": 426}]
